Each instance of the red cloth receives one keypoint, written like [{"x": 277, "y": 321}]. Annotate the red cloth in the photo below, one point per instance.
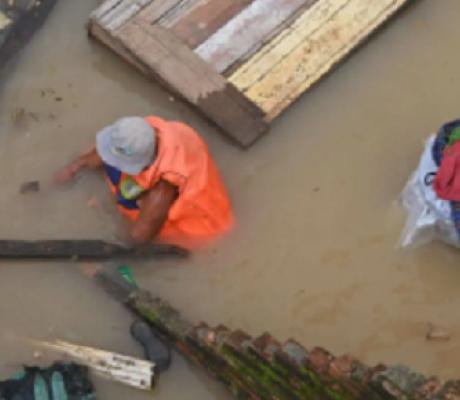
[{"x": 447, "y": 182}]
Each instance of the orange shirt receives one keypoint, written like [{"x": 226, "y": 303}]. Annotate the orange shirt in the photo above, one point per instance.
[{"x": 202, "y": 210}]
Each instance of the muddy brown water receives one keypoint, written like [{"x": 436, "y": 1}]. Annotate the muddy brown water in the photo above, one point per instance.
[{"x": 315, "y": 252}]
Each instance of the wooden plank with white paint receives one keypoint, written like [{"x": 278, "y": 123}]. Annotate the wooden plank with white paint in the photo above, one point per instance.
[
  {"x": 127, "y": 370},
  {"x": 246, "y": 32},
  {"x": 121, "y": 12},
  {"x": 292, "y": 62}
]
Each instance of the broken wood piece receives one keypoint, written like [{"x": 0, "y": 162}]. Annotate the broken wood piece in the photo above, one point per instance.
[
  {"x": 29, "y": 187},
  {"x": 435, "y": 333},
  {"x": 127, "y": 370},
  {"x": 82, "y": 250}
]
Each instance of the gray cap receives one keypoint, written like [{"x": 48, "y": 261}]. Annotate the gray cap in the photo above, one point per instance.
[{"x": 128, "y": 145}]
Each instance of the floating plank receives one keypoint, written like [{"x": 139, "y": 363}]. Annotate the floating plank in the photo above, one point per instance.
[
  {"x": 198, "y": 25},
  {"x": 297, "y": 58},
  {"x": 130, "y": 371},
  {"x": 82, "y": 250},
  {"x": 246, "y": 32}
]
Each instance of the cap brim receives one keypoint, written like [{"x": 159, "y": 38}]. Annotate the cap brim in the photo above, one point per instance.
[{"x": 103, "y": 147}]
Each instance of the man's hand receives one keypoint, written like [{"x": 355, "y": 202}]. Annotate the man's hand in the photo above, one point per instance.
[
  {"x": 88, "y": 160},
  {"x": 66, "y": 174}
]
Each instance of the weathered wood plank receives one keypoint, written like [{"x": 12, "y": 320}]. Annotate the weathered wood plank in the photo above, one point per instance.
[
  {"x": 81, "y": 249},
  {"x": 157, "y": 9},
  {"x": 246, "y": 32},
  {"x": 104, "y": 8},
  {"x": 121, "y": 12},
  {"x": 130, "y": 371},
  {"x": 179, "y": 11},
  {"x": 296, "y": 59},
  {"x": 159, "y": 54},
  {"x": 285, "y": 42},
  {"x": 199, "y": 24}
]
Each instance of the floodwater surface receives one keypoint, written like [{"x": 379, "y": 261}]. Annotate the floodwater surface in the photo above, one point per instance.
[{"x": 315, "y": 253}]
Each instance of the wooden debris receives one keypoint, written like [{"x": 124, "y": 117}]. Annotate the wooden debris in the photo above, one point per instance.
[
  {"x": 127, "y": 370},
  {"x": 437, "y": 334},
  {"x": 240, "y": 62},
  {"x": 82, "y": 250},
  {"x": 29, "y": 187}
]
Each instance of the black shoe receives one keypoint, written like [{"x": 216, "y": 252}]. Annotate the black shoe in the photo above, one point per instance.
[{"x": 154, "y": 347}]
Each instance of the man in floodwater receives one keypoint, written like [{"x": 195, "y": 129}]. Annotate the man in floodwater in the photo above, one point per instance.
[{"x": 163, "y": 179}]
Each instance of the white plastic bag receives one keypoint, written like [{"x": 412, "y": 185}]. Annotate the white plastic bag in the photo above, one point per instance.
[{"x": 429, "y": 217}]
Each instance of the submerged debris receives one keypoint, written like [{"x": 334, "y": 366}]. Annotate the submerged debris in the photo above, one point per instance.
[
  {"x": 435, "y": 333},
  {"x": 30, "y": 187},
  {"x": 22, "y": 117}
]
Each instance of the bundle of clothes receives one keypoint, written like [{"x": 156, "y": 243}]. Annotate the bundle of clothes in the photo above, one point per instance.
[{"x": 432, "y": 195}]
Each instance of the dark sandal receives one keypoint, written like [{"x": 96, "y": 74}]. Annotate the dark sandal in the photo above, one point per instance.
[{"x": 154, "y": 347}]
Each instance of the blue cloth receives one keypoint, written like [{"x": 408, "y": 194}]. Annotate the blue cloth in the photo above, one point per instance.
[
  {"x": 115, "y": 177},
  {"x": 440, "y": 143}
]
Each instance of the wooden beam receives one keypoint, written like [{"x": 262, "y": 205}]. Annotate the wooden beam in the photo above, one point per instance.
[
  {"x": 81, "y": 249},
  {"x": 298, "y": 57},
  {"x": 247, "y": 32},
  {"x": 199, "y": 24}
]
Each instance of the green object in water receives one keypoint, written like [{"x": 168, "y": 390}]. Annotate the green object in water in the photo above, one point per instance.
[
  {"x": 454, "y": 136},
  {"x": 125, "y": 272}
]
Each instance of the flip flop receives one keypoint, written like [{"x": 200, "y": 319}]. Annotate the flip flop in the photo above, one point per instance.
[{"x": 154, "y": 347}]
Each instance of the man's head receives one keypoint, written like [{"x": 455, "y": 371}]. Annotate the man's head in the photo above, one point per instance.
[{"x": 128, "y": 145}]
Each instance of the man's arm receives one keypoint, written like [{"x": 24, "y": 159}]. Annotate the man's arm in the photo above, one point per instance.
[
  {"x": 88, "y": 160},
  {"x": 154, "y": 209}
]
